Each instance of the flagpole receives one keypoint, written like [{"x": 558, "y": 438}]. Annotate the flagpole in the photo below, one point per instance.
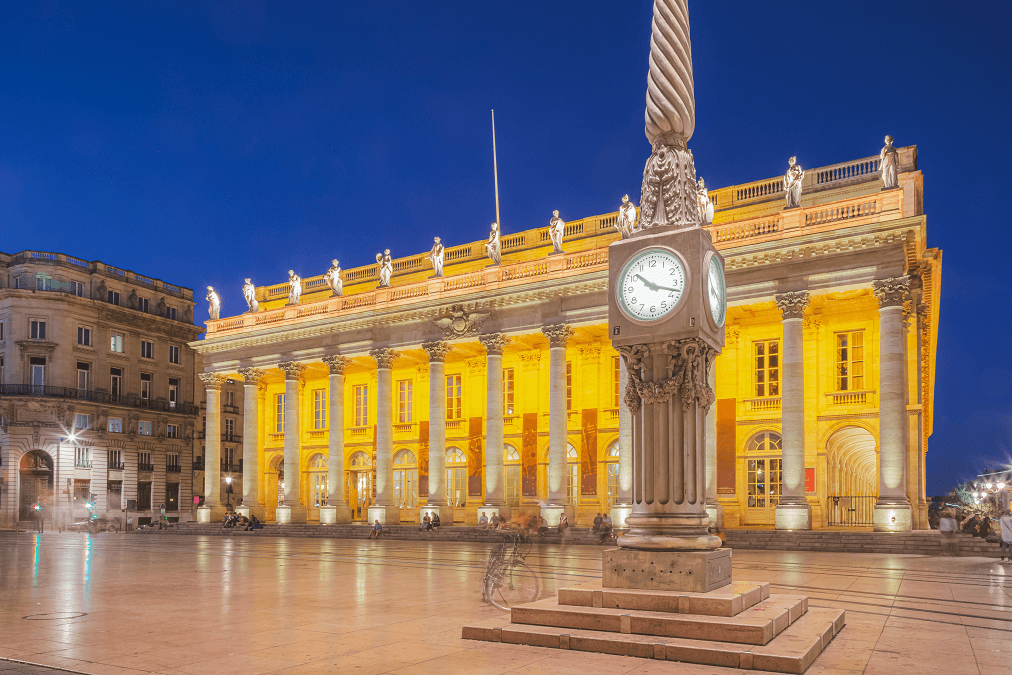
[{"x": 495, "y": 170}]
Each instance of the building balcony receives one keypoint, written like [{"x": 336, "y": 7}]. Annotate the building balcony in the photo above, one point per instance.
[
  {"x": 231, "y": 468},
  {"x": 115, "y": 466},
  {"x": 104, "y": 397},
  {"x": 360, "y": 432},
  {"x": 763, "y": 404},
  {"x": 317, "y": 434},
  {"x": 231, "y": 438},
  {"x": 862, "y": 398},
  {"x": 145, "y": 467},
  {"x": 198, "y": 464},
  {"x": 234, "y": 409},
  {"x": 172, "y": 468},
  {"x": 404, "y": 429},
  {"x": 455, "y": 427},
  {"x": 82, "y": 463}
]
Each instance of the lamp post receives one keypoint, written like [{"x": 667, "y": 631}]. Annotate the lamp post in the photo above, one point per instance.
[{"x": 228, "y": 489}]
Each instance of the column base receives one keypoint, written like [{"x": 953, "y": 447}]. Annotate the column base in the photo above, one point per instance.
[
  {"x": 716, "y": 513},
  {"x": 250, "y": 511},
  {"x": 891, "y": 518},
  {"x": 489, "y": 509},
  {"x": 445, "y": 513},
  {"x": 669, "y": 532},
  {"x": 793, "y": 517},
  {"x": 291, "y": 513},
  {"x": 689, "y": 571},
  {"x": 210, "y": 514},
  {"x": 387, "y": 515},
  {"x": 332, "y": 514},
  {"x": 619, "y": 512},
  {"x": 552, "y": 513}
]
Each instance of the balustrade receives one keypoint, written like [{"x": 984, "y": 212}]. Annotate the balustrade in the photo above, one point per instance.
[{"x": 765, "y": 404}]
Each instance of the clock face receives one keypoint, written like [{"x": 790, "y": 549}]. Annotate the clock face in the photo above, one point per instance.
[
  {"x": 651, "y": 284},
  {"x": 716, "y": 292}
]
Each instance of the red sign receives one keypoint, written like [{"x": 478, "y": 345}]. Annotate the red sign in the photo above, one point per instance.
[{"x": 810, "y": 479}]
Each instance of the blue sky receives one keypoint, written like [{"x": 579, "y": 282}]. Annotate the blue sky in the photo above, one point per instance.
[{"x": 205, "y": 142}]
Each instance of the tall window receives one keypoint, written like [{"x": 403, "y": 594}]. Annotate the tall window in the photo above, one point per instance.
[
  {"x": 573, "y": 475},
  {"x": 146, "y": 349},
  {"x": 77, "y": 288},
  {"x": 170, "y": 313},
  {"x": 616, "y": 381},
  {"x": 613, "y": 470},
  {"x": 143, "y": 304},
  {"x": 850, "y": 361},
  {"x": 454, "y": 409},
  {"x": 144, "y": 428},
  {"x": 405, "y": 479},
  {"x": 116, "y": 425},
  {"x": 318, "y": 487},
  {"x": 37, "y": 370},
  {"x": 279, "y": 413},
  {"x": 569, "y": 385},
  {"x": 145, "y": 387},
  {"x": 767, "y": 368},
  {"x": 512, "y": 477},
  {"x": 82, "y": 421},
  {"x": 404, "y": 401},
  {"x": 83, "y": 336},
  {"x": 362, "y": 405},
  {"x": 115, "y": 382},
  {"x": 507, "y": 391},
  {"x": 37, "y": 329},
  {"x": 83, "y": 376},
  {"x": 114, "y": 297},
  {"x": 319, "y": 408},
  {"x": 82, "y": 457},
  {"x": 456, "y": 477},
  {"x": 172, "y": 431},
  {"x": 143, "y": 460},
  {"x": 116, "y": 342},
  {"x": 229, "y": 428},
  {"x": 764, "y": 475},
  {"x": 173, "y": 392},
  {"x": 173, "y": 354}
]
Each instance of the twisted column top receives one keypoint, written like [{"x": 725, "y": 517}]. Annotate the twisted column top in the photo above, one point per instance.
[
  {"x": 494, "y": 343},
  {"x": 671, "y": 104},
  {"x": 336, "y": 363},
  {"x": 557, "y": 335},
  {"x": 793, "y": 304},
  {"x": 892, "y": 292},
  {"x": 252, "y": 375},
  {"x": 213, "y": 381},
  {"x": 437, "y": 350},
  {"x": 384, "y": 357}
]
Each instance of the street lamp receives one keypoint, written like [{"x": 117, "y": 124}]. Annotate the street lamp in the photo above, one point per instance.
[{"x": 228, "y": 489}]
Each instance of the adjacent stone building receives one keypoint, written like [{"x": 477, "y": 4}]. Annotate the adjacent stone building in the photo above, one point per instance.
[{"x": 96, "y": 382}]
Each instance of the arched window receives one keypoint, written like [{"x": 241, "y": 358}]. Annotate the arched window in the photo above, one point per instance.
[
  {"x": 358, "y": 488},
  {"x": 405, "y": 479},
  {"x": 318, "y": 486},
  {"x": 764, "y": 475},
  {"x": 456, "y": 477},
  {"x": 572, "y": 474},
  {"x": 360, "y": 459},
  {"x": 612, "y": 468},
  {"x": 512, "y": 477},
  {"x": 764, "y": 441},
  {"x": 511, "y": 454}
]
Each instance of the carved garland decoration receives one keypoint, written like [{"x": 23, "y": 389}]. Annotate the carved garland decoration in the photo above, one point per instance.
[{"x": 689, "y": 361}]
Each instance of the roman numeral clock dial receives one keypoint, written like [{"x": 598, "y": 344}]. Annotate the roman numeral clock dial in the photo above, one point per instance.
[{"x": 651, "y": 284}]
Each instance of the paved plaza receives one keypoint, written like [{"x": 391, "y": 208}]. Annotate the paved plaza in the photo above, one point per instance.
[{"x": 123, "y": 604}]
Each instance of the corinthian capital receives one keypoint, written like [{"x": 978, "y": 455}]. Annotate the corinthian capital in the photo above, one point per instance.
[
  {"x": 437, "y": 351},
  {"x": 293, "y": 370},
  {"x": 384, "y": 357},
  {"x": 792, "y": 305},
  {"x": 213, "y": 380},
  {"x": 891, "y": 292},
  {"x": 252, "y": 375},
  {"x": 557, "y": 335},
  {"x": 494, "y": 343},
  {"x": 336, "y": 364}
]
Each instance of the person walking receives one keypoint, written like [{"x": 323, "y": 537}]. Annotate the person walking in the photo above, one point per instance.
[
  {"x": 947, "y": 528},
  {"x": 1006, "y": 535}
]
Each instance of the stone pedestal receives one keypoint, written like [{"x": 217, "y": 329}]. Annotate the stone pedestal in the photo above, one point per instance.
[
  {"x": 891, "y": 517},
  {"x": 793, "y": 517},
  {"x": 445, "y": 514},
  {"x": 333, "y": 514},
  {"x": 691, "y": 571},
  {"x": 250, "y": 511},
  {"x": 552, "y": 513},
  {"x": 210, "y": 514},
  {"x": 619, "y": 512},
  {"x": 387, "y": 515},
  {"x": 283, "y": 515}
]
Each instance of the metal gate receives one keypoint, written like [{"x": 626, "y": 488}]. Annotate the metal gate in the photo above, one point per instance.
[{"x": 851, "y": 510}]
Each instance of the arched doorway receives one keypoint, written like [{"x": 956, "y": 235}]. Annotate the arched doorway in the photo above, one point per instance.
[
  {"x": 512, "y": 462},
  {"x": 572, "y": 475},
  {"x": 36, "y": 474},
  {"x": 456, "y": 477},
  {"x": 274, "y": 485},
  {"x": 405, "y": 480},
  {"x": 359, "y": 484},
  {"x": 611, "y": 470},
  {"x": 852, "y": 474},
  {"x": 317, "y": 485},
  {"x": 763, "y": 477}
]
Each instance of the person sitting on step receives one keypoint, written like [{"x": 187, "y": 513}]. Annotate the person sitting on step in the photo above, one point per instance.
[{"x": 377, "y": 530}]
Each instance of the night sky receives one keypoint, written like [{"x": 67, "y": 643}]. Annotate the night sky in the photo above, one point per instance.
[{"x": 205, "y": 142}]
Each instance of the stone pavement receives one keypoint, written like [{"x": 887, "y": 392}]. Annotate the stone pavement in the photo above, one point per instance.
[{"x": 188, "y": 604}]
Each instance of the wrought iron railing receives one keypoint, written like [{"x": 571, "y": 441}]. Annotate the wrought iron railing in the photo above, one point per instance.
[
  {"x": 198, "y": 464},
  {"x": 172, "y": 468},
  {"x": 116, "y": 466},
  {"x": 145, "y": 467},
  {"x": 47, "y": 391},
  {"x": 850, "y": 510},
  {"x": 231, "y": 468}
]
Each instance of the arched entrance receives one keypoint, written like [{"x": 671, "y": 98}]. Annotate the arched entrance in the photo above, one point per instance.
[
  {"x": 359, "y": 487},
  {"x": 36, "y": 478},
  {"x": 405, "y": 479},
  {"x": 511, "y": 460},
  {"x": 852, "y": 472},
  {"x": 612, "y": 471},
  {"x": 274, "y": 485},
  {"x": 317, "y": 485},
  {"x": 763, "y": 477}
]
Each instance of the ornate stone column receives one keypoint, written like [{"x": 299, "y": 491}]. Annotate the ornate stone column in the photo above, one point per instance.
[
  {"x": 252, "y": 390},
  {"x": 293, "y": 510},
  {"x": 495, "y": 475},
  {"x": 623, "y": 507},
  {"x": 557, "y": 420},
  {"x": 712, "y": 505},
  {"x": 436, "y": 503},
  {"x": 892, "y": 510},
  {"x": 212, "y": 510},
  {"x": 793, "y": 512},
  {"x": 384, "y": 509},
  {"x": 336, "y": 510}
]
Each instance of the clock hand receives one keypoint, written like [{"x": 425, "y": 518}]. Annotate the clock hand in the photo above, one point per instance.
[{"x": 649, "y": 284}]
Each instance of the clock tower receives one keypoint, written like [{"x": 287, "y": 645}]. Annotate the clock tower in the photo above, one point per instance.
[{"x": 666, "y": 311}]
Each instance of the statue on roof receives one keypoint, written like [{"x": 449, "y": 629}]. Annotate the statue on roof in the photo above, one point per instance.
[
  {"x": 249, "y": 291},
  {"x": 333, "y": 278},
  {"x": 792, "y": 183},
  {"x": 626, "y": 222},
  {"x": 214, "y": 304},
  {"x": 436, "y": 257},
  {"x": 705, "y": 205},
  {"x": 386, "y": 267},
  {"x": 294, "y": 288},
  {"x": 556, "y": 230},
  {"x": 889, "y": 160},
  {"x": 493, "y": 246}
]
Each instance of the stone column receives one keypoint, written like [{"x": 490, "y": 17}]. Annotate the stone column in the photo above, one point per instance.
[
  {"x": 293, "y": 510},
  {"x": 713, "y": 508},
  {"x": 436, "y": 503},
  {"x": 557, "y": 421},
  {"x": 336, "y": 510},
  {"x": 495, "y": 474},
  {"x": 623, "y": 507},
  {"x": 892, "y": 510},
  {"x": 384, "y": 510},
  {"x": 251, "y": 504},
  {"x": 212, "y": 510},
  {"x": 793, "y": 512}
]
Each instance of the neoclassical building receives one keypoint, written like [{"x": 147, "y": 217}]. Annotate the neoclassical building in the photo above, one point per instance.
[
  {"x": 496, "y": 386},
  {"x": 96, "y": 382}
]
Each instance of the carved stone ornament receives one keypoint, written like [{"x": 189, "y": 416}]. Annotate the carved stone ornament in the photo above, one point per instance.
[
  {"x": 626, "y": 221},
  {"x": 531, "y": 358},
  {"x": 212, "y": 380},
  {"x": 476, "y": 366},
  {"x": 252, "y": 375},
  {"x": 731, "y": 335},
  {"x": 249, "y": 293},
  {"x": 792, "y": 305},
  {"x": 384, "y": 357},
  {"x": 336, "y": 364},
  {"x": 889, "y": 163},
  {"x": 437, "y": 351},
  {"x": 892, "y": 292},
  {"x": 557, "y": 335},
  {"x": 494, "y": 343},
  {"x": 293, "y": 370},
  {"x": 792, "y": 183},
  {"x": 688, "y": 363},
  {"x": 460, "y": 323},
  {"x": 668, "y": 197}
]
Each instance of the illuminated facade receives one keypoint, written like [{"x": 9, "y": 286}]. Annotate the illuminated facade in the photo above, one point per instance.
[{"x": 434, "y": 392}]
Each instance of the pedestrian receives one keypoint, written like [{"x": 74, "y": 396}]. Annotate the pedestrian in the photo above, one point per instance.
[
  {"x": 435, "y": 521},
  {"x": 563, "y": 524},
  {"x": 1006, "y": 535},
  {"x": 597, "y": 524},
  {"x": 605, "y": 528},
  {"x": 377, "y": 530},
  {"x": 947, "y": 529}
]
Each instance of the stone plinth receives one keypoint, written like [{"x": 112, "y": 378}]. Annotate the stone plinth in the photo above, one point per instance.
[
  {"x": 891, "y": 518},
  {"x": 552, "y": 514},
  {"x": 793, "y": 517},
  {"x": 332, "y": 515},
  {"x": 445, "y": 514},
  {"x": 387, "y": 515},
  {"x": 692, "y": 571},
  {"x": 210, "y": 514}
]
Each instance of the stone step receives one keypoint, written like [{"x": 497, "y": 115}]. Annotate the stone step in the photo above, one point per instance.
[
  {"x": 728, "y": 601},
  {"x": 756, "y": 625},
  {"x": 792, "y": 651}
]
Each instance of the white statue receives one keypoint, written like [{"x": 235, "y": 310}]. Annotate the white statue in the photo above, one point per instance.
[
  {"x": 249, "y": 292},
  {"x": 792, "y": 183},
  {"x": 333, "y": 278},
  {"x": 889, "y": 160},
  {"x": 556, "y": 228},
  {"x": 705, "y": 205},
  {"x": 294, "y": 288},
  {"x": 626, "y": 218},
  {"x": 386, "y": 267},
  {"x": 214, "y": 304},
  {"x": 492, "y": 247},
  {"x": 436, "y": 257}
]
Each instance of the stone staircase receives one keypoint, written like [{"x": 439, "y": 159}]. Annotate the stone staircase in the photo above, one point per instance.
[
  {"x": 916, "y": 542},
  {"x": 738, "y": 626}
]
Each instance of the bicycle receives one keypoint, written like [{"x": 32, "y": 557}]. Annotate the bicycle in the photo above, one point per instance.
[{"x": 509, "y": 581}]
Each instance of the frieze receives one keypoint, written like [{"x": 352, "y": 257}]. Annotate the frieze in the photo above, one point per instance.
[{"x": 460, "y": 323}]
